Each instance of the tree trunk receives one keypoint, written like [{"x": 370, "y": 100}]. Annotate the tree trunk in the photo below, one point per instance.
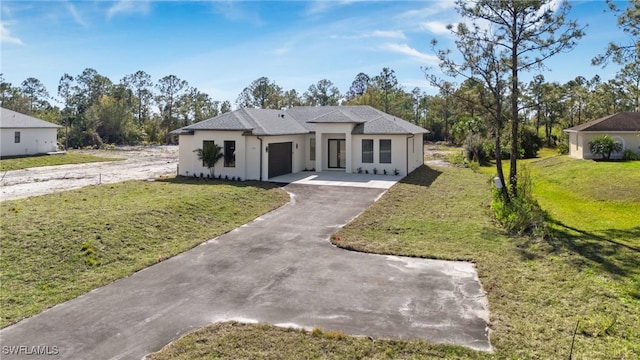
[{"x": 513, "y": 171}]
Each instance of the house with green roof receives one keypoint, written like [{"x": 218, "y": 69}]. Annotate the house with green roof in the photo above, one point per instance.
[
  {"x": 623, "y": 127},
  {"x": 259, "y": 144},
  {"x": 22, "y": 135}
]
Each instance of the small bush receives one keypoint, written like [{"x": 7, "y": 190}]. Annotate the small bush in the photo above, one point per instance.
[
  {"x": 604, "y": 146},
  {"x": 630, "y": 155},
  {"x": 563, "y": 148},
  {"x": 530, "y": 143},
  {"x": 523, "y": 214}
]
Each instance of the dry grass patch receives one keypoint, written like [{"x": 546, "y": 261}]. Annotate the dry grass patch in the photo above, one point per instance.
[{"x": 234, "y": 340}]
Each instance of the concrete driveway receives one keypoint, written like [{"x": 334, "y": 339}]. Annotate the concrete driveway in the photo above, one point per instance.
[{"x": 280, "y": 269}]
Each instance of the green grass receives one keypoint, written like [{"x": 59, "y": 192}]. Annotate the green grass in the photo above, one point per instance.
[
  {"x": 538, "y": 289},
  {"x": 234, "y": 340},
  {"x": 56, "y": 247},
  {"x": 48, "y": 160}
]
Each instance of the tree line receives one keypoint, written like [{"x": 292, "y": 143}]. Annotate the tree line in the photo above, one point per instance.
[{"x": 96, "y": 110}]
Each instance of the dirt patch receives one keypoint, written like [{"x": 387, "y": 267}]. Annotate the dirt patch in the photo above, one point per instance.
[
  {"x": 436, "y": 154},
  {"x": 140, "y": 163}
]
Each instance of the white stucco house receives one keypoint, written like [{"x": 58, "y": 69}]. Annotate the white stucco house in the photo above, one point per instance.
[
  {"x": 259, "y": 144},
  {"x": 22, "y": 134},
  {"x": 623, "y": 127}
]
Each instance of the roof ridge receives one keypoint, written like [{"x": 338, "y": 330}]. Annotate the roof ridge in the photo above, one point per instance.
[{"x": 254, "y": 123}]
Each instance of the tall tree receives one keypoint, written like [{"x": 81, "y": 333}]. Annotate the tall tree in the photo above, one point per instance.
[
  {"x": 36, "y": 92},
  {"x": 522, "y": 34},
  {"x": 629, "y": 22},
  {"x": 322, "y": 94},
  {"x": 629, "y": 77},
  {"x": 291, "y": 98},
  {"x": 387, "y": 82},
  {"x": 90, "y": 88},
  {"x": 65, "y": 92},
  {"x": 170, "y": 88},
  {"x": 225, "y": 107},
  {"x": 261, "y": 93},
  {"x": 11, "y": 97},
  {"x": 358, "y": 87},
  {"x": 141, "y": 85}
]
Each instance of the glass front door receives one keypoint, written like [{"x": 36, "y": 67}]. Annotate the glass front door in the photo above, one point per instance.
[{"x": 337, "y": 154}]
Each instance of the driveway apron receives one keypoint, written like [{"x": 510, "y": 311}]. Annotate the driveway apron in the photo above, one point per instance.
[{"x": 279, "y": 269}]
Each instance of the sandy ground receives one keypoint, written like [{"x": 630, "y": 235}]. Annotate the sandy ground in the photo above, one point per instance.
[
  {"x": 436, "y": 154},
  {"x": 141, "y": 163}
]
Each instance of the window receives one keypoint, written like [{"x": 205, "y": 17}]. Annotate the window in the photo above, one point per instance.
[
  {"x": 17, "y": 137},
  {"x": 367, "y": 151},
  {"x": 229, "y": 154},
  {"x": 312, "y": 149},
  {"x": 207, "y": 147},
  {"x": 385, "y": 151}
]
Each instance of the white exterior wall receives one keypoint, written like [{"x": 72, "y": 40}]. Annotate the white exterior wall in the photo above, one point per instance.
[
  {"x": 575, "y": 149},
  {"x": 298, "y": 147},
  {"x": 324, "y": 132},
  {"x": 398, "y": 151},
  {"x": 415, "y": 156},
  {"x": 248, "y": 151},
  {"x": 252, "y": 161},
  {"x": 579, "y": 143},
  {"x": 309, "y": 164},
  {"x": 188, "y": 160},
  {"x": 32, "y": 141}
]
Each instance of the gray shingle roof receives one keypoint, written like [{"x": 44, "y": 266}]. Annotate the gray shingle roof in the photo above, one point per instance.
[
  {"x": 623, "y": 121},
  {"x": 302, "y": 120},
  {"x": 10, "y": 119}
]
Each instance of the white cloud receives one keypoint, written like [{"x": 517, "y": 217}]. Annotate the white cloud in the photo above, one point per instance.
[
  {"x": 434, "y": 8},
  {"x": 322, "y": 6},
  {"x": 6, "y": 37},
  {"x": 128, "y": 7},
  {"x": 389, "y": 34},
  {"x": 436, "y": 27},
  {"x": 411, "y": 52},
  {"x": 76, "y": 15}
]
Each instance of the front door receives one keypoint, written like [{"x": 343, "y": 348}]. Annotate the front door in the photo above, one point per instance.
[{"x": 337, "y": 154}]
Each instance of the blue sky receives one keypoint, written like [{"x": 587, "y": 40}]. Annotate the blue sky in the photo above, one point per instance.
[{"x": 221, "y": 46}]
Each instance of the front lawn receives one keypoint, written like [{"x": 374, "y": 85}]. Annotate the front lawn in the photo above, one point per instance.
[
  {"x": 49, "y": 160},
  {"x": 538, "y": 290},
  {"x": 58, "y": 246}
]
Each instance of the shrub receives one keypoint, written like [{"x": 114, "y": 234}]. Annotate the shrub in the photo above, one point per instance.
[
  {"x": 604, "y": 146},
  {"x": 630, "y": 155},
  {"x": 563, "y": 148},
  {"x": 523, "y": 214},
  {"x": 530, "y": 143},
  {"x": 474, "y": 145}
]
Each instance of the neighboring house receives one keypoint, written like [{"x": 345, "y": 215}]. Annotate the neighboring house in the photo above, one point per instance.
[
  {"x": 259, "y": 144},
  {"x": 623, "y": 127},
  {"x": 22, "y": 134}
]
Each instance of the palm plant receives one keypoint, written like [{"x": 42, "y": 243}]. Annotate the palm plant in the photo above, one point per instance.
[{"x": 210, "y": 154}]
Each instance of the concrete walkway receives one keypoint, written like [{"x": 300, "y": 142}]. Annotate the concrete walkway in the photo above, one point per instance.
[
  {"x": 280, "y": 269},
  {"x": 338, "y": 178}
]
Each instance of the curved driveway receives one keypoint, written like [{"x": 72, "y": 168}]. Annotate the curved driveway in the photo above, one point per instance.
[{"x": 280, "y": 269}]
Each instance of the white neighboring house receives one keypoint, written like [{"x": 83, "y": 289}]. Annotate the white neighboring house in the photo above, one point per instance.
[
  {"x": 259, "y": 144},
  {"x": 22, "y": 134},
  {"x": 623, "y": 127}
]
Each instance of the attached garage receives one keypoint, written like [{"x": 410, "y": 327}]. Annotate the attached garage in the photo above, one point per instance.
[{"x": 280, "y": 158}]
